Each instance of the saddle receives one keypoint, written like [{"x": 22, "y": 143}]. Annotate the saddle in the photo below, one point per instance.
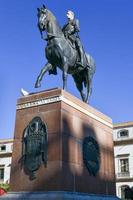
[{"x": 71, "y": 42}]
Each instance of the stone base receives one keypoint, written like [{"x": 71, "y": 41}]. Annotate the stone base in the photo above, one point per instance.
[
  {"x": 55, "y": 196},
  {"x": 69, "y": 122}
]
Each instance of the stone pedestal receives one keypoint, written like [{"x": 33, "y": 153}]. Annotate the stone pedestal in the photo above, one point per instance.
[
  {"x": 68, "y": 121},
  {"x": 55, "y": 196}
]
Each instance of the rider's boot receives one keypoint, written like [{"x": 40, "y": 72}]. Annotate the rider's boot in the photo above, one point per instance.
[{"x": 81, "y": 56}]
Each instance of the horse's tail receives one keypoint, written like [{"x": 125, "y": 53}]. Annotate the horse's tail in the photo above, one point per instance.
[
  {"x": 87, "y": 87},
  {"x": 91, "y": 67},
  {"x": 91, "y": 64}
]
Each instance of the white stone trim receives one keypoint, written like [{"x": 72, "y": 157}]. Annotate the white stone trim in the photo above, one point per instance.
[
  {"x": 81, "y": 109},
  {"x": 38, "y": 102},
  {"x": 54, "y": 99}
]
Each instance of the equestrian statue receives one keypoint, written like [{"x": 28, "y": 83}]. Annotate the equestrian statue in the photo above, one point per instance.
[{"x": 64, "y": 50}]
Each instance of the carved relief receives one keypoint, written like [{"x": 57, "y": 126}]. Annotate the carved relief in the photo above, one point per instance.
[
  {"x": 91, "y": 155},
  {"x": 34, "y": 146}
]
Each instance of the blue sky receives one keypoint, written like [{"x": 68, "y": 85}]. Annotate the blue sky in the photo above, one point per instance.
[{"x": 107, "y": 34}]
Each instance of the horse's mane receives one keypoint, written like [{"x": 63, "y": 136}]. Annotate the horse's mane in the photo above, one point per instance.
[{"x": 51, "y": 17}]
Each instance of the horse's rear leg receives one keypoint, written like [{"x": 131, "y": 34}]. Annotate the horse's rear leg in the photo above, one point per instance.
[
  {"x": 46, "y": 68},
  {"x": 64, "y": 76},
  {"x": 79, "y": 85}
]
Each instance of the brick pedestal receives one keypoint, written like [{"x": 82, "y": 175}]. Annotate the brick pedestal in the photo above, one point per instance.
[{"x": 68, "y": 121}]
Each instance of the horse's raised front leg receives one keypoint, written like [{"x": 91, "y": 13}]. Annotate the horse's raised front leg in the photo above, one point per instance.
[
  {"x": 46, "y": 68},
  {"x": 64, "y": 76}
]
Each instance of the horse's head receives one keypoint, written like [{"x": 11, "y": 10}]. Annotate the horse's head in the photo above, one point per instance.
[
  {"x": 42, "y": 18},
  {"x": 47, "y": 22}
]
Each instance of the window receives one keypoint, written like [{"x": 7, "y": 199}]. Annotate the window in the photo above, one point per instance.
[
  {"x": 123, "y": 168},
  {"x": 123, "y": 192},
  {"x": 3, "y": 148},
  {"x": 1, "y": 174},
  {"x": 126, "y": 192},
  {"x": 124, "y": 165},
  {"x": 123, "y": 133}
]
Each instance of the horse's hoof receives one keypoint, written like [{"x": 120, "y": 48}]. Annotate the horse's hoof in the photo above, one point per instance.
[{"x": 37, "y": 85}]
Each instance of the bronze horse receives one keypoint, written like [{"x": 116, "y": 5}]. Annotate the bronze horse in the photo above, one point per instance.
[{"x": 60, "y": 53}]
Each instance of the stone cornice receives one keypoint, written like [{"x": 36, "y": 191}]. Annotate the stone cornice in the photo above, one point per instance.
[
  {"x": 62, "y": 96},
  {"x": 5, "y": 141},
  {"x": 130, "y": 179},
  {"x": 39, "y": 102},
  {"x": 123, "y": 142},
  {"x": 123, "y": 125},
  {"x": 6, "y": 154}
]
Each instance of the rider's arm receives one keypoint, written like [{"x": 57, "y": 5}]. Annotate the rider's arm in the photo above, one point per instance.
[
  {"x": 76, "y": 25},
  {"x": 75, "y": 28},
  {"x": 71, "y": 31}
]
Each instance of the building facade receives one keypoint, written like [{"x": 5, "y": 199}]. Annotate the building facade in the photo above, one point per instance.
[
  {"x": 123, "y": 155},
  {"x": 5, "y": 160}
]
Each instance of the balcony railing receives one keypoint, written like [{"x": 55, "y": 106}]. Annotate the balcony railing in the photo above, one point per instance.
[
  {"x": 123, "y": 138},
  {"x": 123, "y": 175}
]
